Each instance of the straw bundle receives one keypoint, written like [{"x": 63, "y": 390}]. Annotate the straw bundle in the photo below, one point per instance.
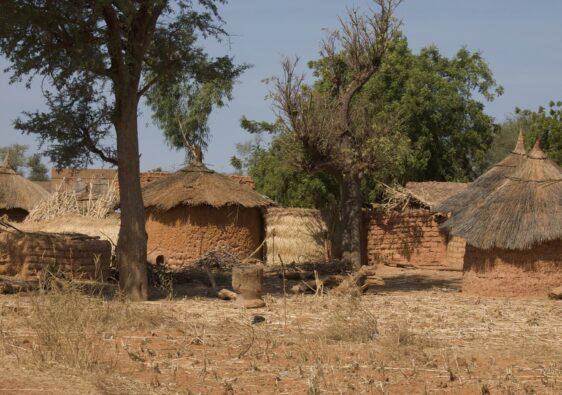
[
  {"x": 295, "y": 235},
  {"x": 64, "y": 202}
]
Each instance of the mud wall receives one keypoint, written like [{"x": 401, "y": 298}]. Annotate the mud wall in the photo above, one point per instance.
[
  {"x": 14, "y": 214},
  {"x": 26, "y": 255},
  {"x": 507, "y": 273},
  {"x": 410, "y": 236},
  {"x": 183, "y": 234}
]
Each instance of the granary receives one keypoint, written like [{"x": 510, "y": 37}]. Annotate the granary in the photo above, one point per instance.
[
  {"x": 18, "y": 196},
  {"x": 409, "y": 232},
  {"x": 514, "y": 233},
  {"x": 196, "y": 210}
]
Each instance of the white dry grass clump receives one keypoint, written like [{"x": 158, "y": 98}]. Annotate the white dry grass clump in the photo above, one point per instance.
[{"x": 65, "y": 201}]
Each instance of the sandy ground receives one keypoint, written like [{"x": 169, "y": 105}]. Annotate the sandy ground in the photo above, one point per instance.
[{"x": 417, "y": 334}]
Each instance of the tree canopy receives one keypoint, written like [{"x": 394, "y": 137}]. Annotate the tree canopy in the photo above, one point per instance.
[{"x": 442, "y": 130}]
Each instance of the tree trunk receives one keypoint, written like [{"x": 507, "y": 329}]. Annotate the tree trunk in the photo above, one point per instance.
[
  {"x": 351, "y": 220},
  {"x": 131, "y": 246}
]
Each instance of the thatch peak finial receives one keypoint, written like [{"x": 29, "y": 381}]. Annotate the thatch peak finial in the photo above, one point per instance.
[
  {"x": 6, "y": 163},
  {"x": 537, "y": 152},
  {"x": 520, "y": 146}
]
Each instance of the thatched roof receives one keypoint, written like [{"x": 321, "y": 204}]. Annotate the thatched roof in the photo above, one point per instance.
[
  {"x": 431, "y": 193},
  {"x": 487, "y": 182},
  {"x": 524, "y": 210},
  {"x": 196, "y": 185},
  {"x": 18, "y": 192}
]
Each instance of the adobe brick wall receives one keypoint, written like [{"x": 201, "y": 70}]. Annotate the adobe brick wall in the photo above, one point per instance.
[
  {"x": 25, "y": 255},
  {"x": 504, "y": 273},
  {"x": 185, "y": 233},
  {"x": 410, "y": 236},
  {"x": 14, "y": 214}
]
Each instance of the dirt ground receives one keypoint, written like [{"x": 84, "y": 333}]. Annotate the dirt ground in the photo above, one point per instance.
[{"x": 417, "y": 334}]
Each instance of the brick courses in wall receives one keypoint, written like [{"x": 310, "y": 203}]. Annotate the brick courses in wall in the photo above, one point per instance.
[
  {"x": 182, "y": 234},
  {"x": 26, "y": 255},
  {"x": 506, "y": 273},
  {"x": 411, "y": 236}
]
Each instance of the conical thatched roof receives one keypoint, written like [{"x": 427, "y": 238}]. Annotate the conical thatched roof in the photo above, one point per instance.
[
  {"x": 487, "y": 182},
  {"x": 18, "y": 192},
  {"x": 526, "y": 209},
  {"x": 196, "y": 185}
]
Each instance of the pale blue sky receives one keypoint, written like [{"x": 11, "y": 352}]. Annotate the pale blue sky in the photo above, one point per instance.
[{"x": 521, "y": 39}]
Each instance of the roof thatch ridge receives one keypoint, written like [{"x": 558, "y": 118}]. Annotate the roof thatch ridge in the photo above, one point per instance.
[
  {"x": 196, "y": 185},
  {"x": 487, "y": 182},
  {"x": 520, "y": 146},
  {"x": 525, "y": 210}
]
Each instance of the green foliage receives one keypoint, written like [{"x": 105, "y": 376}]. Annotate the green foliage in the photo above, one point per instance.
[
  {"x": 434, "y": 97},
  {"x": 278, "y": 179},
  {"x": 37, "y": 170},
  {"x": 16, "y": 157},
  {"x": 544, "y": 123},
  {"x": 18, "y": 160},
  {"x": 182, "y": 109},
  {"x": 95, "y": 56},
  {"x": 440, "y": 130}
]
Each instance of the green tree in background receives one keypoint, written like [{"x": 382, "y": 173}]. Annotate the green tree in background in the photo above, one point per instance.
[
  {"x": 182, "y": 108},
  {"x": 18, "y": 160},
  {"x": 445, "y": 133},
  {"x": 16, "y": 157},
  {"x": 545, "y": 123},
  {"x": 37, "y": 170}
]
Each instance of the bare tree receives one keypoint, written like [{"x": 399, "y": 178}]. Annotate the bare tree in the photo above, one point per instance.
[{"x": 337, "y": 133}]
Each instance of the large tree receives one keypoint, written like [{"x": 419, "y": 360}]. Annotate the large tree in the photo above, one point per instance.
[
  {"x": 340, "y": 135},
  {"x": 97, "y": 59}
]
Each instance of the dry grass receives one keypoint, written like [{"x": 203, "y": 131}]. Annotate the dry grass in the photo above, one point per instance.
[
  {"x": 104, "y": 228},
  {"x": 65, "y": 202},
  {"x": 428, "y": 341}
]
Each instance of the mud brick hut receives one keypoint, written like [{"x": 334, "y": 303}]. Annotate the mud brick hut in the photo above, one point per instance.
[
  {"x": 26, "y": 255},
  {"x": 514, "y": 233},
  {"x": 196, "y": 210},
  {"x": 410, "y": 234},
  {"x": 18, "y": 196}
]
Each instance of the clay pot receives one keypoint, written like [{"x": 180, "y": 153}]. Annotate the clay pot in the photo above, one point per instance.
[{"x": 247, "y": 282}]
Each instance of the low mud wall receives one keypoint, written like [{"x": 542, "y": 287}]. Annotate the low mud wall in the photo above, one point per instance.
[
  {"x": 26, "y": 255},
  {"x": 411, "y": 236},
  {"x": 507, "y": 273}
]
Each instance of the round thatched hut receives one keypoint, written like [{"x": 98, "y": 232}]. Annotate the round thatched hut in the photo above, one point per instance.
[
  {"x": 487, "y": 182},
  {"x": 18, "y": 196},
  {"x": 197, "y": 210},
  {"x": 514, "y": 234}
]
